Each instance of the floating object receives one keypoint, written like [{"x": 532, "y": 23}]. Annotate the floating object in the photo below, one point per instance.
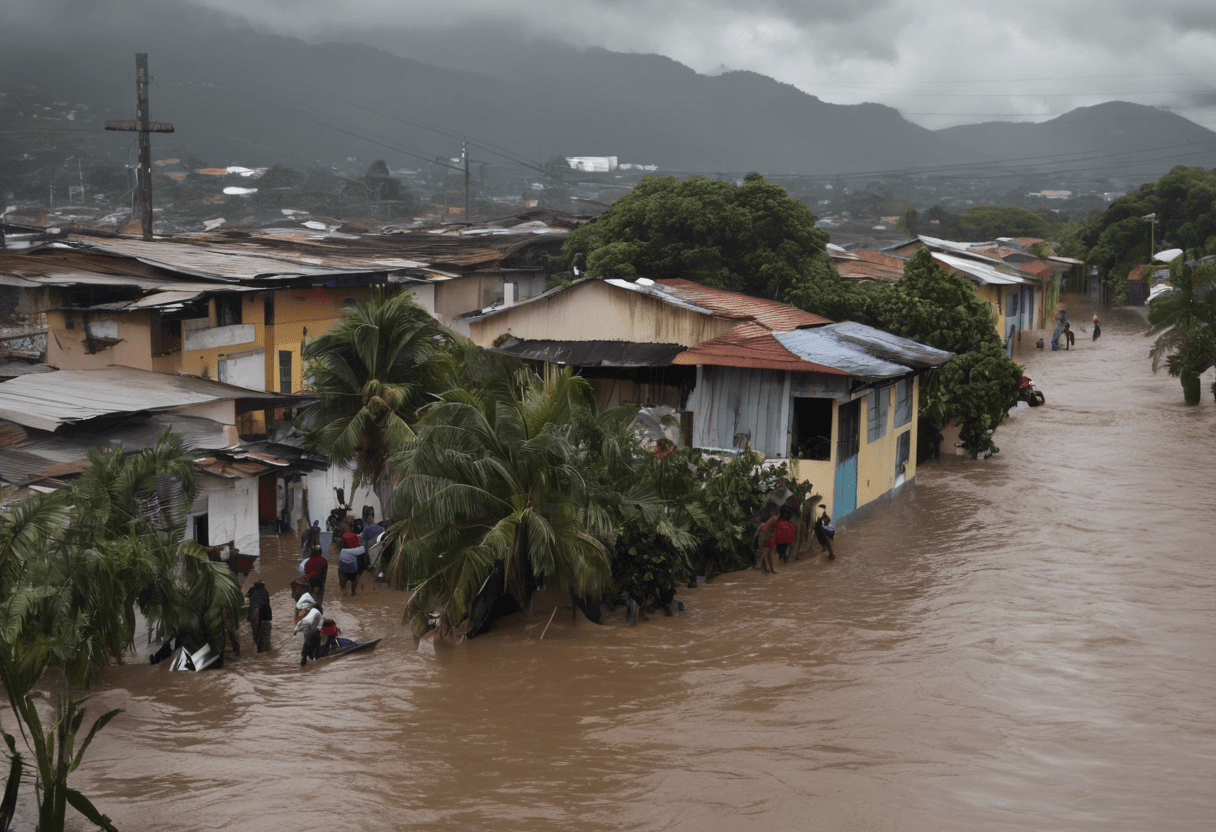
[
  {"x": 357, "y": 647},
  {"x": 183, "y": 659}
]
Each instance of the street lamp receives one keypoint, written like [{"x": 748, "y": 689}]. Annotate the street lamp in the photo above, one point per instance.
[{"x": 1152, "y": 234}]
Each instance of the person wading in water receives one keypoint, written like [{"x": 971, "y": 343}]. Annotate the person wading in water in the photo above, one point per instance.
[{"x": 824, "y": 533}]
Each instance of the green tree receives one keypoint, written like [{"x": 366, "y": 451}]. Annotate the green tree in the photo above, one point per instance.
[
  {"x": 369, "y": 375},
  {"x": 489, "y": 486},
  {"x": 1184, "y": 321},
  {"x": 76, "y": 566},
  {"x": 380, "y": 183},
  {"x": 751, "y": 238}
]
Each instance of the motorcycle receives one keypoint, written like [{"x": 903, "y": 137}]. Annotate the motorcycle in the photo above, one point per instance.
[{"x": 1030, "y": 394}]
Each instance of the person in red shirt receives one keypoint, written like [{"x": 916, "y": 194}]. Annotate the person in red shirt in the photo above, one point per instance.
[
  {"x": 348, "y": 537},
  {"x": 316, "y": 568}
]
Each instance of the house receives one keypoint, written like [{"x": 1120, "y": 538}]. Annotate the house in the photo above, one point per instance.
[
  {"x": 49, "y": 421},
  {"x": 1015, "y": 284},
  {"x": 837, "y": 401}
]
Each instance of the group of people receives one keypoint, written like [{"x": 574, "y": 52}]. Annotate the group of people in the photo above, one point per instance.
[
  {"x": 1063, "y": 330},
  {"x": 779, "y": 532},
  {"x": 321, "y": 635}
]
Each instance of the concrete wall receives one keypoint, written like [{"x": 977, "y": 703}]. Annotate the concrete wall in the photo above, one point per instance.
[
  {"x": 598, "y": 311},
  {"x": 65, "y": 348},
  {"x": 876, "y": 460},
  {"x": 222, "y": 412},
  {"x": 319, "y": 489},
  {"x": 301, "y": 314},
  {"x": 200, "y": 356},
  {"x": 246, "y": 369},
  {"x": 232, "y": 512}
]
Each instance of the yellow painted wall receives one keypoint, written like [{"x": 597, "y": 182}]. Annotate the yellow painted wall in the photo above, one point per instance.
[
  {"x": 991, "y": 295},
  {"x": 876, "y": 460},
  {"x": 301, "y": 314},
  {"x": 597, "y": 311},
  {"x": 206, "y": 362},
  {"x": 65, "y": 349}
]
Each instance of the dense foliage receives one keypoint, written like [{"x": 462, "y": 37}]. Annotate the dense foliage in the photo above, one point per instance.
[
  {"x": 985, "y": 222},
  {"x": 76, "y": 567},
  {"x": 1115, "y": 240},
  {"x": 751, "y": 238}
]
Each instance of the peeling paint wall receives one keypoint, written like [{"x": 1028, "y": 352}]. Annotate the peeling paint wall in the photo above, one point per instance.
[
  {"x": 728, "y": 401},
  {"x": 65, "y": 348},
  {"x": 232, "y": 512},
  {"x": 320, "y": 487}
]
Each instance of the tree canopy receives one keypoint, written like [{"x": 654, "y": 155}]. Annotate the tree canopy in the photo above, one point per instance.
[
  {"x": 752, "y": 238},
  {"x": 1115, "y": 240},
  {"x": 987, "y": 222}
]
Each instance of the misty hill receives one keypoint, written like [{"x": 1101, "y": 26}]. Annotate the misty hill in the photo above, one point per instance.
[
  {"x": 229, "y": 88},
  {"x": 1115, "y": 139}
]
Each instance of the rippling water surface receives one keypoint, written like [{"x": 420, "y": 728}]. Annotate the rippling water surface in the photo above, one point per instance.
[{"x": 1021, "y": 643}]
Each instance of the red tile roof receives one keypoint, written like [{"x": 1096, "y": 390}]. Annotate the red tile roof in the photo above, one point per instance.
[
  {"x": 769, "y": 314},
  {"x": 753, "y": 346},
  {"x": 1038, "y": 268}
]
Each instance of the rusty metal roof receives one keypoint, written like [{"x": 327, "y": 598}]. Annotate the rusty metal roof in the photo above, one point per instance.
[
  {"x": 846, "y": 348},
  {"x": 750, "y": 345},
  {"x": 770, "y": 314}
]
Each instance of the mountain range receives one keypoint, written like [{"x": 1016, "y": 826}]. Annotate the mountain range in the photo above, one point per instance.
[{"x": 242, "y": 95}]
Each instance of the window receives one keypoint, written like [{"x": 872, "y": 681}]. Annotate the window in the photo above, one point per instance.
[
  {"x": 228, "y": 309},
  {"x": 877, "y": 402},
  {"x": 1011, "y": 305},
  {"x": 903, "y": 403},
  {"x": 268, "y": 309},
  {"x": 812, "y": 428},
  {"x": 903, "y": 448},
  {"x": 284, "y": 371}
]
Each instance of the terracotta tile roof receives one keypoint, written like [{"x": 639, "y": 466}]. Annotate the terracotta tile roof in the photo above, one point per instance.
[
  {"x": 1038, "y": 268},
  {"x": 753, "y": 346},
  {"x": 1137, "y": 273},
  {"x": 769, "y": 314}
]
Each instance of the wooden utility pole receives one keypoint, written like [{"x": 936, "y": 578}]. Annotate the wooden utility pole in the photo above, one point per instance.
[
  {"x": 144, "y": 128},
  {"x": 464, "y": 154}
]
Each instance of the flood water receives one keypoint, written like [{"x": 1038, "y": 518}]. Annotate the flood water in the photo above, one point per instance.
[{"x": 1020, "y": 643}]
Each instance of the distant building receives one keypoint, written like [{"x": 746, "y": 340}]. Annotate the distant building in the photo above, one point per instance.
[{"x": 592, "y": 164}]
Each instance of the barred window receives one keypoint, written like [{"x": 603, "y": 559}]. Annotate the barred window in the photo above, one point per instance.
[
  {"x": 903, "y": 402},
  {"x": 878, "y": 402}
]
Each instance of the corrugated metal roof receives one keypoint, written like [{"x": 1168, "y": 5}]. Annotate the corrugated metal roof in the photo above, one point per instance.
[
  {"x": 983, "y": 272},
  {"x": 751, "y": 346},
  {"x": 593, "y": 353},
  {"x": 49, "y": 400},
  {"x": 770, "y": 314},
  {"x": 845, "y": 348}
]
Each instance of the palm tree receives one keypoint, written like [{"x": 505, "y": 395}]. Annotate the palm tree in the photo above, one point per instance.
[
  {"x": 1184, "y": 321},
  {"x": 489, "y": 488},
  {"x": 75, "y": 566},
  {"x": 370, "y": 374}
]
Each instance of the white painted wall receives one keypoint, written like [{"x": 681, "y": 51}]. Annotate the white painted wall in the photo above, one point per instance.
[
  {"x": 218, "y": 336},
  {"x": 103, "y": 327},
  {"x": 321, "y": 498},
  {"x": 424, "y": 296},
  {"x": 244, "y": 369},
  {"x": 222, "y": 412},
  {"x": 232, "y": 512}
]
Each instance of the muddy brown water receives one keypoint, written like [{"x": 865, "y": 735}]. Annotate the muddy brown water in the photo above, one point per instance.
[{"x": 1021, "y": 643}]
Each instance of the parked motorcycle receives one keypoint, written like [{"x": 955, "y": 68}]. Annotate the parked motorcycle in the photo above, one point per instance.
[{"x": 1030, "y": 394}]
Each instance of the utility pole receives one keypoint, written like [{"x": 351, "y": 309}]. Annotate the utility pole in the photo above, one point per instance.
[
  {"x": 145, "y": 129},
  {"x": 464, "y": 155}
]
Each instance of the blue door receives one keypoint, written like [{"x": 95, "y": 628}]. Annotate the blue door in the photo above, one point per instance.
[{"x": 848, "y": 443}]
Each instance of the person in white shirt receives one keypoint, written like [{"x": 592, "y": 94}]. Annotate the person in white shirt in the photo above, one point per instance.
[{"x": 310, "y": 624}]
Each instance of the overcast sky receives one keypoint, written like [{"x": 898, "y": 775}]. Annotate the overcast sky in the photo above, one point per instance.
[{"x": 940, "y": 62}]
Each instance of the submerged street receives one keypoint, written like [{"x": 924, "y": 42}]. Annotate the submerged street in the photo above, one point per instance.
[{"x": 1019, "y": 643}]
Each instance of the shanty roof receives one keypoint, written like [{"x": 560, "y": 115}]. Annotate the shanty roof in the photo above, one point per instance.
[
  {"x": 983, "y": 272},
  {"x": 50, "y": 400},
  {"x": 863, "y": 264},
  {"x": 846, "y": 348},
  {"x": 593, "y": 353},
  {"x": 770, "y": 314}
]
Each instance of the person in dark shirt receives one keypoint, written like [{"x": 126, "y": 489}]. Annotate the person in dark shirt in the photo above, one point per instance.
[
  {"x": 825, "y": 533},
  {"x": 259, "y": 615}
]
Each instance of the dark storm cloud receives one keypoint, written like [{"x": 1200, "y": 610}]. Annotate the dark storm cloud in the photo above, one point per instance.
[{"x": 941, "y": 62}]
